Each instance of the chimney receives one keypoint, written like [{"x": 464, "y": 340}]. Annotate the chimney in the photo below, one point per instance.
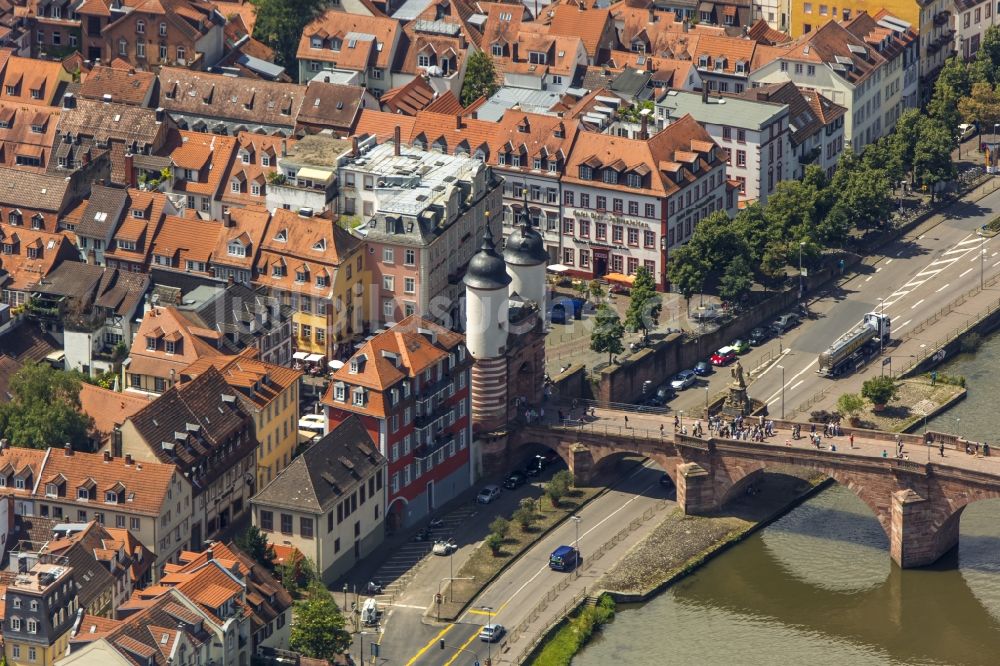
[
  {"x": 652, "y": 14},
  {"x": 67, "y": 449},
  {"x": 4, "y": 443},
  {"x": 209, "y": 555},
  {"x": 130, "y": 170},
  {"x": 645, "y": 126},
  {"x": 107, "y": 456},
  {"x": 704, "y": 92},
  {"x": 128, "y": 458},
  {"x": 355, "y": 150},
  {"x": 685, "y": 25},
  {"x": 69, "y": 101},
  {"x": 227, "y": 219},
  {"x": 458, "y": 121},
  {"x": 396, "y": 139},
  {"x": 284, "y": 148},
  {"x": 160, "y": 114}
]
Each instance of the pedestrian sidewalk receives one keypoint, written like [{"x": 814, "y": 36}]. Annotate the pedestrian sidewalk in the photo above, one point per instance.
[{"x": 573, "y": 590}]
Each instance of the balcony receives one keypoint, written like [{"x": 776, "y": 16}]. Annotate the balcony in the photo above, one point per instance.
[
  {"x": 942, "y": 17},
  {"x": 424, "y": 451}
]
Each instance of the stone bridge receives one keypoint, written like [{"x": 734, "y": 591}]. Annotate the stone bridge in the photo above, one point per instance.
[{"x": 918, "y": 499}]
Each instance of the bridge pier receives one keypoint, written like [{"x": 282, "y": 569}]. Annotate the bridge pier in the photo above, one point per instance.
[
  {"x": 581, "y": 464},
  {"x": 695, "y": 489},
  {"x": 917, "y": 536}
]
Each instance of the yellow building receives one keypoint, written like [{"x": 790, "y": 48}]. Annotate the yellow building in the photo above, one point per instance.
[
  {"x": 39, "y": 610},
  {"x": 270, "y": 394},
  {"x": 318, "y": 269},
  {"x": 808, "y": 16}
]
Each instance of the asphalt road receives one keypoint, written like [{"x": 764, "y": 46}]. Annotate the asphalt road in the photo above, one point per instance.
[
  {"x": 518, "y": 590},
  {"x": 917, "y": 276}
]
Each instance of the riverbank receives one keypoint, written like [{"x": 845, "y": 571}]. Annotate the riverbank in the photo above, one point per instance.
[{"x": 679, "y": 544}]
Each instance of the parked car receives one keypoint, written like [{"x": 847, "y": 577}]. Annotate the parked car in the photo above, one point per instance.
[
  {"x": 758, "y": 336},
  {"x": 785, "y": 322},
  {"x": 565, "y": 558},
  {"x": 702, "y": 368},
  {"x": 491, "y": 633},
  {"x": 445, "y": 547},
  {"x": 488, "y": 494},
  {"x": 513, "y": 481},
  {"x": 724, "y": 356},
  {"x": 966, "y": 131},
  {"x": 740, "y": 346},
  {"x": 682, "y": 380}
]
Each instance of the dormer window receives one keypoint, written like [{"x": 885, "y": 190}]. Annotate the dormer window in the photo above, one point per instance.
[
  {"x": 316, "y": 43},
  {"x": 322, "y": 280},
  {"x": 237, "y": 250},
  {"x": 14, "y": 218},
  {"x": 335, "y": 44},
  {"x": 339, "y": 392},
  {"x": 536, "y": 57},
  {"x": 32, "y": 253},
  {"x": 37, "y": 129},
  {"x": 37, "y": 222},
  {"x": 111, "y": 497},
  {"x": 353, "y": 367},
  {"x": 610, "y": 176},
  {"x": 265, "y": 160},
  {"x": 138, "y": 213},
  {"x": 169, "y": 346},
  {"x": 703, "y": 61},
  {"x": 150, "y": 343},
  {"x": 634, "y": 180},
  {"x": 359, "y": 396},
  {"x": 300, "y": 276},
  {"x": 8, "y": 248},
  {"x": 277, "y": 271},
  {"x": 741, "y": 67},
  {"x": 497, "y": 50},
  {"x": 720, "y": 64},
  {"x": 126, "y": 245},
  {"x": 245, "y": 157},
  {"x": 586, "y": 173},
  {"x": 36, "y": 93},
  {"x": 51, "y": 490},
  {"x": 282, "y": 236},
  {"x": 19, "y": 483},
  {"x": 82, "y": 493}
]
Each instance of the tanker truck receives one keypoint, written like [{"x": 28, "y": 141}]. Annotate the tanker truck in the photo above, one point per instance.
[{"x": 854, "y": 345}]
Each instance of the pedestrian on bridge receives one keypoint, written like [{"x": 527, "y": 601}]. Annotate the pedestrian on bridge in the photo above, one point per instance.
[
  {"x": 941, "y": 449},
  {"x": 661, "y": 430},
  {"x": 626, "y": 421},
  {"x": 852, "y": 440}
]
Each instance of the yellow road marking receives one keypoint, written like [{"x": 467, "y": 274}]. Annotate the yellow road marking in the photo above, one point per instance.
[
  {"x": 476, "y": 611},
  {"x": 460, "y": 650},
  {"x": 434, "y": 640}
]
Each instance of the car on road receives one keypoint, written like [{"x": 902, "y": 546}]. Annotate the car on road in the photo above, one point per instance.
[
  {"x": 966, "y": 131},
  {"x": 514, "y": 480},
  {"x": 785, "y": 322},
  {"x": 491, "y": 633},
  {"x": 740, "y": 346},
  {"x": 724, "y": 356},
  {"x": 682, "y": 380},
  {"x": 488, "y": 494},
  {"x": 445, "y": 547},
  {"x": 565, "y": 558},
  {"x": 702, "y": 368},
  {"x": 758, "y": 336}
]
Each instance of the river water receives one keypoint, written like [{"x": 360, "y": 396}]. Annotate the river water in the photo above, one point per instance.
[{"x": 817, "y": 586}]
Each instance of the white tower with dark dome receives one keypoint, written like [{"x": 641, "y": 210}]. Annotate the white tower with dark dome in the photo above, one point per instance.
[
  {"x": 526, "y": 259},
  {"x": 486, "y": 331}
]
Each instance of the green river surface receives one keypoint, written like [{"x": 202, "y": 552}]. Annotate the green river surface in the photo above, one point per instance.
[{"x": 817, "y": 586}]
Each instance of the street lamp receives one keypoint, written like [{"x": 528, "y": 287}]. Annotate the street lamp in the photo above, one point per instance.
[
  {"x": 451, "y": 592},
  {"x": 801, "y": 245},
  {"x": 576, "y": 519},
  {"x": 881, "y": 338},
  {"x": 361, "y": 644},
  {"x": 782, "y": 368},
  {"x": 707, "y": 415},
  {"x": 489, "y": 620}
]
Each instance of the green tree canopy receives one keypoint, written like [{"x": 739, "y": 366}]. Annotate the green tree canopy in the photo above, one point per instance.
[
  {"x": 985, "y": 68},
  {"x": 904, "y": 138},
  {"x": 45, "y": 409},
  {"x": 608, "y": 332},
  {"x": 951, "y": 86},
  {"x": 981, "y": 106},
  {"x": 644, "y": 305},
  {"x": 318, "y": 630},
  {"x": 863, "y": 196},
  {"x": 880, "y": 390},
  {"x": 254, "y": 543},
  {"x": 736, "y": 281},
  {"x": 280, "y": 23},
  {"x": 932, "y": 155},
  {"x": 480, "y": 78}
]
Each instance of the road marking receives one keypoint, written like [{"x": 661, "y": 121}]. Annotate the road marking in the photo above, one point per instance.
[
  {"x": 965, "y": 273},
  {"x": 888, "y": 261},
  {"x": 902, "y": 325},
  {"x": 420, "y": 608},
  {"x": 780, "y": 356},
  {"x": 433, "y": 642},
  {"x": 996, "y": 264},
  {"x": 796, "y": 385},
  {"x": 476, "y": 611},
  {"x": 915, "y": 283},
  {"x": 968, "y": 240},
  {"x": 943, "y": 261},
  {"x": 943, "y": 288},
  {"x": 461, "y": 649},
  {"x": 975, "y": 259},
  {"x": 959, "y": 250},
  {"x": 775, "y": 395},
  {"x": 914, "y": 306},
  {"x": 994, "y": 254},
  {"x": 878, "y": 269},
  {"x": 868, "y": 279},
  {"x": 933, "y": 272}
]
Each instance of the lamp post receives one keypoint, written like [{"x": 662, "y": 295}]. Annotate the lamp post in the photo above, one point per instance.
[
  {"x": 489, "y": 620},
  {"x": 881, "y": 339},
  {"x": 361, "y": 644},
  {"x": 782, "y": 368},
  {"x": 576, "y": 544},
  {"x": 451, "y": 592},
  {"x": 707, "y": 415},
  {"x": 801, "y": 245}
]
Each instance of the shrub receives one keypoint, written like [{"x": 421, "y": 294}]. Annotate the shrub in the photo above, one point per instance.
[
  {"x": 524, "y": 517},
  {"x": 880, "y": 390},
  {"x": 494, "y": 542},
  {"x": 558, "y": 486},
  {"x": 575, "y": 632},
  {"x": 850, "y": 404}
]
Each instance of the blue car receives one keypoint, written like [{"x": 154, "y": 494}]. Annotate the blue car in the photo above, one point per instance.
[{"x": 702, "y": 368}]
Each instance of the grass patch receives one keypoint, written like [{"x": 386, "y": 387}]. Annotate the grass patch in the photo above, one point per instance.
[
  {"x": 560, "y": 649},
  {"x": 483, "y": 565},
  {"x": 993, "y": 225}
]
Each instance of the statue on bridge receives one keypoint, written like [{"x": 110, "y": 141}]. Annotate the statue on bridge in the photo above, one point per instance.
[{"x": 737, "y": 372}]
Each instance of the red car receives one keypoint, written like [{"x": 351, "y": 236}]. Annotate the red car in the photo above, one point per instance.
[{"x": 724, "y": 356}]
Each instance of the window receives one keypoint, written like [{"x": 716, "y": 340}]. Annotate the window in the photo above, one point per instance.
[
  {"x": 649, "y": 239},
  {"x": 585, "y": 172},
  {"x": 181, "y": 52},
  {"x": 568, "y": 198},
  {"x": 410, "y": 257},
  {"x": 567, "y": 226},
  {"x": 569, "y": 256},
  {"x": 286, "y": 523},
  {"x": 741, "y": 158},
  {"x": 32, "y": 626},
  {"x": 602, "y": 202},
  {"x": 584, "y": 263},
  {"x": 83, "y": 494},
  {"x": 32, "y": 651},
  {"x": 633, "y": 236},
  {"x": 409, "y": 285},
  {"x": 15, "y": 625},
  {"x": 634, "y": 180},
  {"x": 306, "y": 527},
  {"x": 650, "y": 210},
  {"x": 633, "y": 207},
  {"x": 741, "y": 135},
  {"x": 388, "y": 255},
  {"x": 163, "y": 52},
  {"x": 617, "y": 234},
  {"x": 497, "y": 50},
  {"x": 163, "y": 30},
  {"x": 140, "y": 27},
  {"x": 616, "y": 205},
  {"x": 122, "y": 47},
  {"x": 135, "y": 523},
  {"x": 17, "y": 648},
  {"x": 610, "y": 176},
  {"x": 811, "y": 70},
  {"x": 388, "y": 283}
]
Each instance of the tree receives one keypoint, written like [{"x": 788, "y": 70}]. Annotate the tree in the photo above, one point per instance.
[
  {"x": 494, "y": 542},
  {"x": 480, "y": 78},
  {"x": 608, "y": 332},
  {"x": 737, "y": 281},
  {"x": 879, "y": 390},
  {"x": 850, "y": 405},
  {"x": 318, "y": 630},
  {"x": 985, "y": 68},
  {"x": 524, "y": 517},
  {"x": 279, "y": 24},
  {"x": 904, "y": 139},
  {"x": 982, "y": 106},
  {"x": 501, "y": 527},
  {"x": 686, "y": 272},
  {"x": 932, "y": 155},
  {"x": 596, "y": 290},
  {"x": 583, "y": 288},
  {"x": 254, "y": 543},
  {"x": 863, "y": 195},
  {"x": 645, "y": 304},
  {"x": 45, "y": 409},
  {"x": 558, "y": 486},
  {"x": 952, "y": 85}
]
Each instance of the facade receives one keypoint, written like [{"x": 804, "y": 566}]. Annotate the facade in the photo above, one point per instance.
[
  {"x": 753, "y": 134},
  {"x": 165, "y": 344},
  {"x": 28, "y": 256},
  {"x": 315, "y": 269},
  {"x": 330, "y": 502},
  {"x": 628, "y": 202},
  {"x": 187, "y": 33},
  {"x": 247, "y": 178},
  {"x": 421, "y": 213},
  {"x": 200, "y": 427},
  {"x": 341, "y": 43},
  {"x": 307, "y": 175},
  {"x": 409, "y": 387},
  {"x": 198, "y": 164},
  {"x": 270, "y": 395},
  {"x": 40, "y": 606}
]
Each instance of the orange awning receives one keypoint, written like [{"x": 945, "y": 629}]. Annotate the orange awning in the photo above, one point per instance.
[{"x": 618, "y": 277}]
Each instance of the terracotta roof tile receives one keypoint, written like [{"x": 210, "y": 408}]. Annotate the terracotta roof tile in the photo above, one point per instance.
[
  {"x": 410, "y": 97},
  {"x": 590, "y": 25},
  {"x": 363, "y": 54},
  {"x": 125, "y": 85},
  {"x": 109, "y": 408}
]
